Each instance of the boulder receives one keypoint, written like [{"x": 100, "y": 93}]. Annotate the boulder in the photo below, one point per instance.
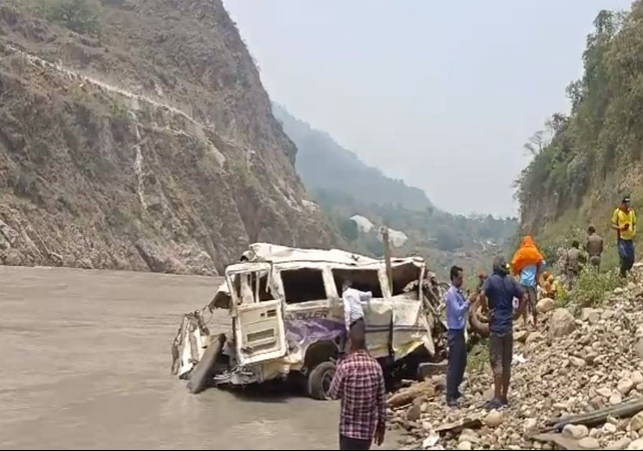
[
  {"x": 636, "y": 423},
  {"x": 545, "y": 305},
  {"x": 494, "y": 419},
  {"x": 562, "y": 323},
  {"x": 588, "y": 443},
  {"x": 622, "y": 443},
  {"x": 575, "y": 431},
  {"x": 624, "y": 386}
]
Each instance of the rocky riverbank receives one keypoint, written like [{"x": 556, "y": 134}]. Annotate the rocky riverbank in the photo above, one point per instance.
[{"x": 579, "y": 360}]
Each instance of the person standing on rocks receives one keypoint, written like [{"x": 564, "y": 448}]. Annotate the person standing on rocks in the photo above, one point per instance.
[
  {"x": 528, "y": 263},
  {"x": 498, "y": 293},
  {"x": 359, "y": 383},
  {"x": 594, "y": 247},
  {"x": 624, "y": 222},
  {"x": 457, "y": 308}
]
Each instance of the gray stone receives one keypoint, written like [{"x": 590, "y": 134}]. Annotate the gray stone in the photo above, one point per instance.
[{"x": 588, "y": 443}]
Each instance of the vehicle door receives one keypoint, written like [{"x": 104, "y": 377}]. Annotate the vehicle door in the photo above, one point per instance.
[{"x": 258, "y": 316}]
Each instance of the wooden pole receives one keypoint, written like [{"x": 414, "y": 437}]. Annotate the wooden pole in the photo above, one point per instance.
[{"x": 387, "y": 257}]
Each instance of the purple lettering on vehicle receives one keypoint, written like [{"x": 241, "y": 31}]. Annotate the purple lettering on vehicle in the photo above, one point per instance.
[{"x": 301, "y": 333}]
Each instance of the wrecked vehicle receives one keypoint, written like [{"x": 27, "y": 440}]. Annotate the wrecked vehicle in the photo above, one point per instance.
[{"x": 287, "y": 318}]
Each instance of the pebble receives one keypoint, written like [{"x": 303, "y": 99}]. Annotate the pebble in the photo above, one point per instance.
[
  {"x": 465, "y": 446},
  {"x": 616, "y": 399},
  {"x": 494, "y": 419},
  {"x": 636, "y": 423},
  {"x": 575, "y": 431},
  {"x": 624, "y": 386},
  {"x": 588, "y": 443},
  {"x": 636, "y": 444},
  {"x": 622, "y": 443}
]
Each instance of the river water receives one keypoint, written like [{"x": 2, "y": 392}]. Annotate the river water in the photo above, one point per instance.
[{"x": 85, "y": 363}]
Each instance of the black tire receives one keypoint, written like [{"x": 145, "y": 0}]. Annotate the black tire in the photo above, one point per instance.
[
  {"x": 319, "y": 380},
  {"x": 202, "y": 374}
]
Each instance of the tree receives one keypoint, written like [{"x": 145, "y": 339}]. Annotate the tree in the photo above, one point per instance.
[
  {"x": 447, "y": 240},
  {"x": 537, "y": 142},
  {"x": 348, "y": 228}
]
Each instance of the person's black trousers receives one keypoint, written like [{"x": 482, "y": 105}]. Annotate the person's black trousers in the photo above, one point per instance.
[
  {"x": 457, "y": 363},
  {"x": 353, "y": 443}
]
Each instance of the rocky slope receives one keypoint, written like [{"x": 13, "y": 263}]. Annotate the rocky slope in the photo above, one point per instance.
[
  {"x": 580, "y": 360},
  {"x": 137, "y": 135}
]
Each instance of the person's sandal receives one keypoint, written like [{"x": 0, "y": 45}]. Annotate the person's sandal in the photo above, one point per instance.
[{"x": 494, "y": 404}]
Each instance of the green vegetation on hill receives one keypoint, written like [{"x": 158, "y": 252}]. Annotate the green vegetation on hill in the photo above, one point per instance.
[
  {"x": 344, "y": 186},
  {"x": 584, "y": 162}
]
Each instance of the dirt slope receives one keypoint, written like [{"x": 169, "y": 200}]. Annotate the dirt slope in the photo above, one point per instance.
[{"x": 145, "y": 142}]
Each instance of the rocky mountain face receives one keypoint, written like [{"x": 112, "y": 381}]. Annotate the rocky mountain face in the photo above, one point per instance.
[
  {"x": 137, "y": 135},
  {"x": 580, "y": 360}
]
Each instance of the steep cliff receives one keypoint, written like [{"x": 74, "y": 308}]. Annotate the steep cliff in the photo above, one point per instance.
[
  {"x": 137, "y": 135},
  {"x": 586, "y": 161}
]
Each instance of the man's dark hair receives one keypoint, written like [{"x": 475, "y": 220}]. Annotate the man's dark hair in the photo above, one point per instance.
[
  {"x": 591, "y": 229},
  {"x": 500, "y": 265},
  {"x": 455, "y": 272},
  {"x": 575, "y": 244},
  {"x": 357, "y": 336}
]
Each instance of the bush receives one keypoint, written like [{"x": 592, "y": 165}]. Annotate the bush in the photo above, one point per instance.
[
  {"x": 592, "y": 288},
  {"x": 119, "y": 112},
  {"x": 478, "y": 357},
  {"x": 80, "y": 16}
]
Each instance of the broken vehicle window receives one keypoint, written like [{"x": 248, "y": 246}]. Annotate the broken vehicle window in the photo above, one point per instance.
[
  {"x": 252, "y": 287},
  {"x": 363, "y": 280},
  {"x": 303, "y": 285},
  {"x": 403, "y": 276}
]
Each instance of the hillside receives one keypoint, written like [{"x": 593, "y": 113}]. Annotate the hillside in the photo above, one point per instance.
[
  {"x": 321, "y": 162},
  {"x": 344, "y": 187},
  {"x": 137, "y": 135},
  {"x": 584, "y": 162}
]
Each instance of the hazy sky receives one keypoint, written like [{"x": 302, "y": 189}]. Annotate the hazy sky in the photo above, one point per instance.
[{"x": 440, "y": 94}]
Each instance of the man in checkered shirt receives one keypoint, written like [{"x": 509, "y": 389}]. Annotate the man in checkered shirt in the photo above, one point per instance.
[{"x": 359, "y": 383}]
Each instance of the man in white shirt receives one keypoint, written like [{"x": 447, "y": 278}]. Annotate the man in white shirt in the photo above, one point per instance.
[{"x": 353, "y": 301}]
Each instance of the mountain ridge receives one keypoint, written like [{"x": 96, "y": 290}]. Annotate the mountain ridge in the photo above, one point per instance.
[
  {"x": 329, "y": 171},
  {"x": 323, "y": 155}
]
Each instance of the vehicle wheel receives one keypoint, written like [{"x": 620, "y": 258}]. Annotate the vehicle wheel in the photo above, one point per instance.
[
  {"x": 319, "y": 380},
  {"x": 202, "y": 374}
]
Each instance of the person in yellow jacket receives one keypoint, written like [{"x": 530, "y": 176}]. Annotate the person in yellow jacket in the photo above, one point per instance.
[{"x": 624, "y": 222}]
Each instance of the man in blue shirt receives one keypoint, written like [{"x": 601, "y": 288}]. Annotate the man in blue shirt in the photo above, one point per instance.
[
  {"x": 498, "y": 291},
  {"x": 457, "y": 308}
]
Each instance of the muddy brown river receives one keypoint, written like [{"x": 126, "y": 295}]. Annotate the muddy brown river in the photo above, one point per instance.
[{"x": 85, "y": 363}]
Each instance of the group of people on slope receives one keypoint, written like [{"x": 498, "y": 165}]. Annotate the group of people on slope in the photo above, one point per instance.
[
  {"x": 499, "y": 293},
  {"x": 359, "y": 380}
]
